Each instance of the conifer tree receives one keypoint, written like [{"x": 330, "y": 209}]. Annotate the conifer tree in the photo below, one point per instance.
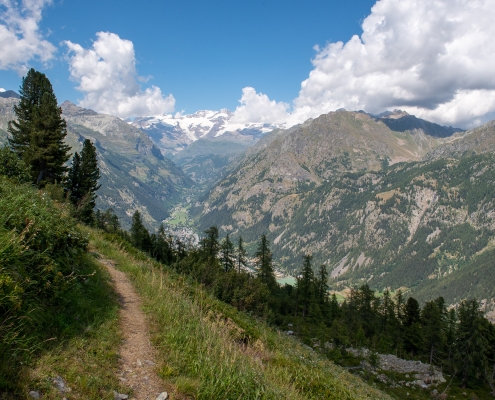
[
  {"x": 241, "y": 255},
  {"x": 472, "y": 344},
  {"x": 140, "y": 236},
  {"x": 264, "y": 264},
  {"x": 305, "y": 286},
  {"x": 162, "y": 249},
  {"x": 82, "y": 181},
  {"x": 322, "y": 285},
  {"x": 413, "y": 335},
  {"x": 37, "y": 135},
  {"x": 210, "y": 243},
  {"x": 227, "y": 257},
  {"x": 433, "y": 328}
]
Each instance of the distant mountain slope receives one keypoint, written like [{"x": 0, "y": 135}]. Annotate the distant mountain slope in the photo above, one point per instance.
[
  {"x": 401, "y": 121},
  {"x": 9, "y": 94},
  {"x": 324, "y": 189},
  {"x": 135, "y": 175},
  {"x": 475, "y": 141},
  {"x": 292, "y": 161},
  {"x": 175, "y": 133}
]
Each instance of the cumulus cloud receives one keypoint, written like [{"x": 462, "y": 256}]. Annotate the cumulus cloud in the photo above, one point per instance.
[
  {"x": 107, "y": 76},
  {"x": 20, "y": 37},
  {"x": 432, "y": 58},
  {"x": 258, "y": 108}
]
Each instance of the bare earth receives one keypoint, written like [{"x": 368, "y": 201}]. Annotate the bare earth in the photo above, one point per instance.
[{"x": 137, "y": 361}]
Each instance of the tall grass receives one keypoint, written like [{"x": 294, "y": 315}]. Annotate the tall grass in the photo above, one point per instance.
[
  {"x": 58, "y": 313},
  {"x": 209, "y": 350}
]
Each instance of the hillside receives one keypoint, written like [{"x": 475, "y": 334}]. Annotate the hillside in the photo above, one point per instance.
[
  {"x": 325, "y": 189},
  {"x": 134, "y": 174},
  {"x": 62, "y": 334}
]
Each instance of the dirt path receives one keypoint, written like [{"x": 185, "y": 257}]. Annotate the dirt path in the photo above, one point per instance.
[{"x": 137, "y": 360}]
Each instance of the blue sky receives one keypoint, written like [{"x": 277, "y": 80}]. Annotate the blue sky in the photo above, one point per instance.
[
  {"x": 203, "y": 52},
  {"x": 273, "y": 61}
]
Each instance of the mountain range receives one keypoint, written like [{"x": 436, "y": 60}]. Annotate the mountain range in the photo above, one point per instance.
[
  {"x": 134, "y": 173},
  {"x": 392, "y": 201}
]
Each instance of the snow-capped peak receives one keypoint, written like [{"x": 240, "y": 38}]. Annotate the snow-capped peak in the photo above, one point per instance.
[{"x": 184, "y": 129}]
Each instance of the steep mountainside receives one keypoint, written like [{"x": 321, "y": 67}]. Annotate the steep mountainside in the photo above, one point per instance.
[
  {"x": 135, "y": 175},
  {"x": 476, "y": 141},
  {"x": 324, "y": 189},
  {"x": 203, "y": 143}
]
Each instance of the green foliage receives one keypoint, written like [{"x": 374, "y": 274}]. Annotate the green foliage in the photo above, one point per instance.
[
  {"x": 12, "y": 167},
  {"x": 82, "y": 182},
  {"x": 264, "y": 264},
  {"x": 140, "y": 237},
  {"x": 227, "y": 254},
  {"x": 38, "y": 134},
  {"x": 50, "y": 290}
]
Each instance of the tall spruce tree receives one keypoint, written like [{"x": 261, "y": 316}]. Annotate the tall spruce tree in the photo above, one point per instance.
[
  {"x": 38, "y": 133},
  {"x": 472, "y": 344},
  {"x": 227, "y": 257},
  {"x": 305, "y": 286},
  {"x": 264, "y": 264},
  {"x": 140, "y": 237},
  {"x": 241, "y": 254},
  {"x": 82, "y": 181},
  {"x": 433, "y": 327}
]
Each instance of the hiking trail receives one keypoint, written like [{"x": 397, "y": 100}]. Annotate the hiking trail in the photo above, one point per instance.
[{"x": 137, "y": 355}]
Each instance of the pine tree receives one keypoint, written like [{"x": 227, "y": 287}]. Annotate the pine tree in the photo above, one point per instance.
[
  {"x": 413, "y": 335},
  {"x": 90, "y": 174},
  {"x": 264, "y": 264},
  {"x": 37, "y": 135},
  {"x": 140, "y": 236},
  {"x": 322, "y": 285},
  {"x": 82, "y": 181},
  {"x": 210, "y": 243},
  {"x": 241, "y": 255},
  {"x": 162, "y": 249},
  {"x": 305, "y": 286},
  {"x": 472, "y": 343},
  {"x": 227, "y": 257},
  {"x": 433, "y": 328},
  {"x": 74, "y": 184}
]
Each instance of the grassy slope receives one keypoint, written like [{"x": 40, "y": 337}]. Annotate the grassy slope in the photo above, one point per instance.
[
  {"x": 77, "y": 340},
  {"x": 210, "y": 351}
]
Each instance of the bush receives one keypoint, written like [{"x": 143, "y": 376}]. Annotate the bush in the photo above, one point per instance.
[
  {"x": 40, "y": 249},
  {"x": 12, "y": 167}
]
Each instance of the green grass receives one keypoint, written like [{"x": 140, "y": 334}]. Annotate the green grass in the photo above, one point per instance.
[
  {"x": 209, "y": 350},
  {"x": 77, "y": 340},
  {"x": 58, "y": 311}
]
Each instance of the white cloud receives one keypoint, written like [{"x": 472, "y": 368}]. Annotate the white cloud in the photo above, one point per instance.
[
  {"x": 20, "y": 38},
  {"x": 432, "y": 58},
  {"x": 2, "y": 90},
  {"x": 107, "y": 76},
  {"x": 258, "y": 108}
]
